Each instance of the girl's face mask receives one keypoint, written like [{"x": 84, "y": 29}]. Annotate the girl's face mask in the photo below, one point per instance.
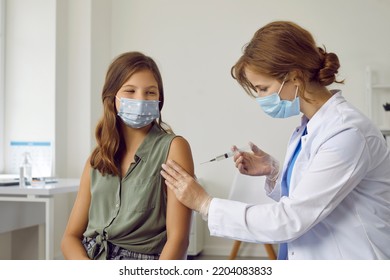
[{"x": 138, "y": 113}]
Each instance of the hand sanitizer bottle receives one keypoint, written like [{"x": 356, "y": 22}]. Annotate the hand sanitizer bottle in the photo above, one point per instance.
[
  {"x": 27, "y": 169},
  {"x": 22, "y": 181}
]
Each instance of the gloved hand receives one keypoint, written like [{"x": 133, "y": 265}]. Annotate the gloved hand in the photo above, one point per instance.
[
  {"x": 187, "y": 190},
  {"x": 257, "y": 163}
]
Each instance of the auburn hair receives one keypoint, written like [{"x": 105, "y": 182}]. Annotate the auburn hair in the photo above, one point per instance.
[
  {"x": 106, "y": 155},
  {"x": 281, "y": 47}
]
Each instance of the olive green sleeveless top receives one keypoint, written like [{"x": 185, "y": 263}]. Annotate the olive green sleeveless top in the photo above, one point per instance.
[{"x": 131, "y": 212}]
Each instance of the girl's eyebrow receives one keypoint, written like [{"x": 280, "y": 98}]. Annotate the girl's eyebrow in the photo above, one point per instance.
[{"x": 148, "y": 87}]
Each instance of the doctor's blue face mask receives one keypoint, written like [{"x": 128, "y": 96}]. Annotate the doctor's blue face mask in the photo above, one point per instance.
[
  {"x": 138, "y": 113},
  {"x": 273, "y": 106}
]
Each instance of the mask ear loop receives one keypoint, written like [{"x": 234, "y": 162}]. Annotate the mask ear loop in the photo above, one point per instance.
[
  {"x": 115, "y": 106},
  {"x": 281, "y": 86},
  {"x": 296, "y": 92}
]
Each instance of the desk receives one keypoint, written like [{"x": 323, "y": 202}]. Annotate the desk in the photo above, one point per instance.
[{"x": 13, "y": 217}]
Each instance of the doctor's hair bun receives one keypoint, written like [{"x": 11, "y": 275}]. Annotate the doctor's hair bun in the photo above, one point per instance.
[{"x": 328, "y": 70}]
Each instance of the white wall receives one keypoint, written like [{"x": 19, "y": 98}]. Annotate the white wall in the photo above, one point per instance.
[
  {"x": 83, "y": 54},
  {"x": 2, "y": 46},
  {"x": 30, "y": 70},
  {"x": 61, "y": 49},
  {"x": 76, "y": 118}
]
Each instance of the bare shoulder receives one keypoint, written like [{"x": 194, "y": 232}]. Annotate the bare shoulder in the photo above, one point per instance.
[
  {"x": 179, "y": 143},
  {"x": 180, "y": 151},
  {"x": 87, "y": 167}
]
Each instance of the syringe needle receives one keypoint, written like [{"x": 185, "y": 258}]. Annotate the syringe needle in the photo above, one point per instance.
[
  {"x": 225, "y": 155},
  {"x": 208, "y": 161}
]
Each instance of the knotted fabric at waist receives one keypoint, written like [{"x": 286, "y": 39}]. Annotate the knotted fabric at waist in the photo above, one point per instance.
[
  {"x": 96, "y": 247},
  {"x": 99, "y": 247}
]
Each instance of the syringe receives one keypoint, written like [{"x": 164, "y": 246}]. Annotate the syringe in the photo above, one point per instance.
[{"x": 225, "y": 155}]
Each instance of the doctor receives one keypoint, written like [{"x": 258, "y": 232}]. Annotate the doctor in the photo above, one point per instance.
[{"x": 333, "y": 193}]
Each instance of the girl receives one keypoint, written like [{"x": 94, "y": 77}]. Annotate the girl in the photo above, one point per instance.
[{"x": 123, "y": 209}]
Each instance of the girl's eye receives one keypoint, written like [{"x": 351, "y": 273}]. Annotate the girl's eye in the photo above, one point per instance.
[
  {"x": 151, "y": 93},
  {"x": 262, "y": 89},
  {"x": 130, "y": 90}
]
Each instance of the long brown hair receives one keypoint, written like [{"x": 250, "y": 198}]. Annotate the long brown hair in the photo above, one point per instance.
[
  {"x": 106, "y": 155},
  {"x": 281, "y": 47}
]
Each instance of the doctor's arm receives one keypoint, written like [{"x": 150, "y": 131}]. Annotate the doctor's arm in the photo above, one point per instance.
[
  {"x": 333, "y": 172},
  {"x": 71, "y": 245}
]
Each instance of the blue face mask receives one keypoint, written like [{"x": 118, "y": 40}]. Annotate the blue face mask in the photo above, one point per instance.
[
  {"x": 276, "y": 108},
  {"x": 138, "y": 113}
]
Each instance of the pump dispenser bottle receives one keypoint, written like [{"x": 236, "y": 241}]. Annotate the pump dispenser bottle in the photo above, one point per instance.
[{"x": 27, "y": 169}]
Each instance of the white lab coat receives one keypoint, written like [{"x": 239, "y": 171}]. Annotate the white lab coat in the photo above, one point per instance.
[{"x": 339, "y": 201}]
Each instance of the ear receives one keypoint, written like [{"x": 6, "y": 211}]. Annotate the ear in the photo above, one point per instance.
[{"x": 296, "y": 77}]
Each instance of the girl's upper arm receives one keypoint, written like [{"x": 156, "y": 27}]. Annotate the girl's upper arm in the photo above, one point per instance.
[
  {"x": 78, "y": 219},
  {"x": 178, "y": 216}
]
